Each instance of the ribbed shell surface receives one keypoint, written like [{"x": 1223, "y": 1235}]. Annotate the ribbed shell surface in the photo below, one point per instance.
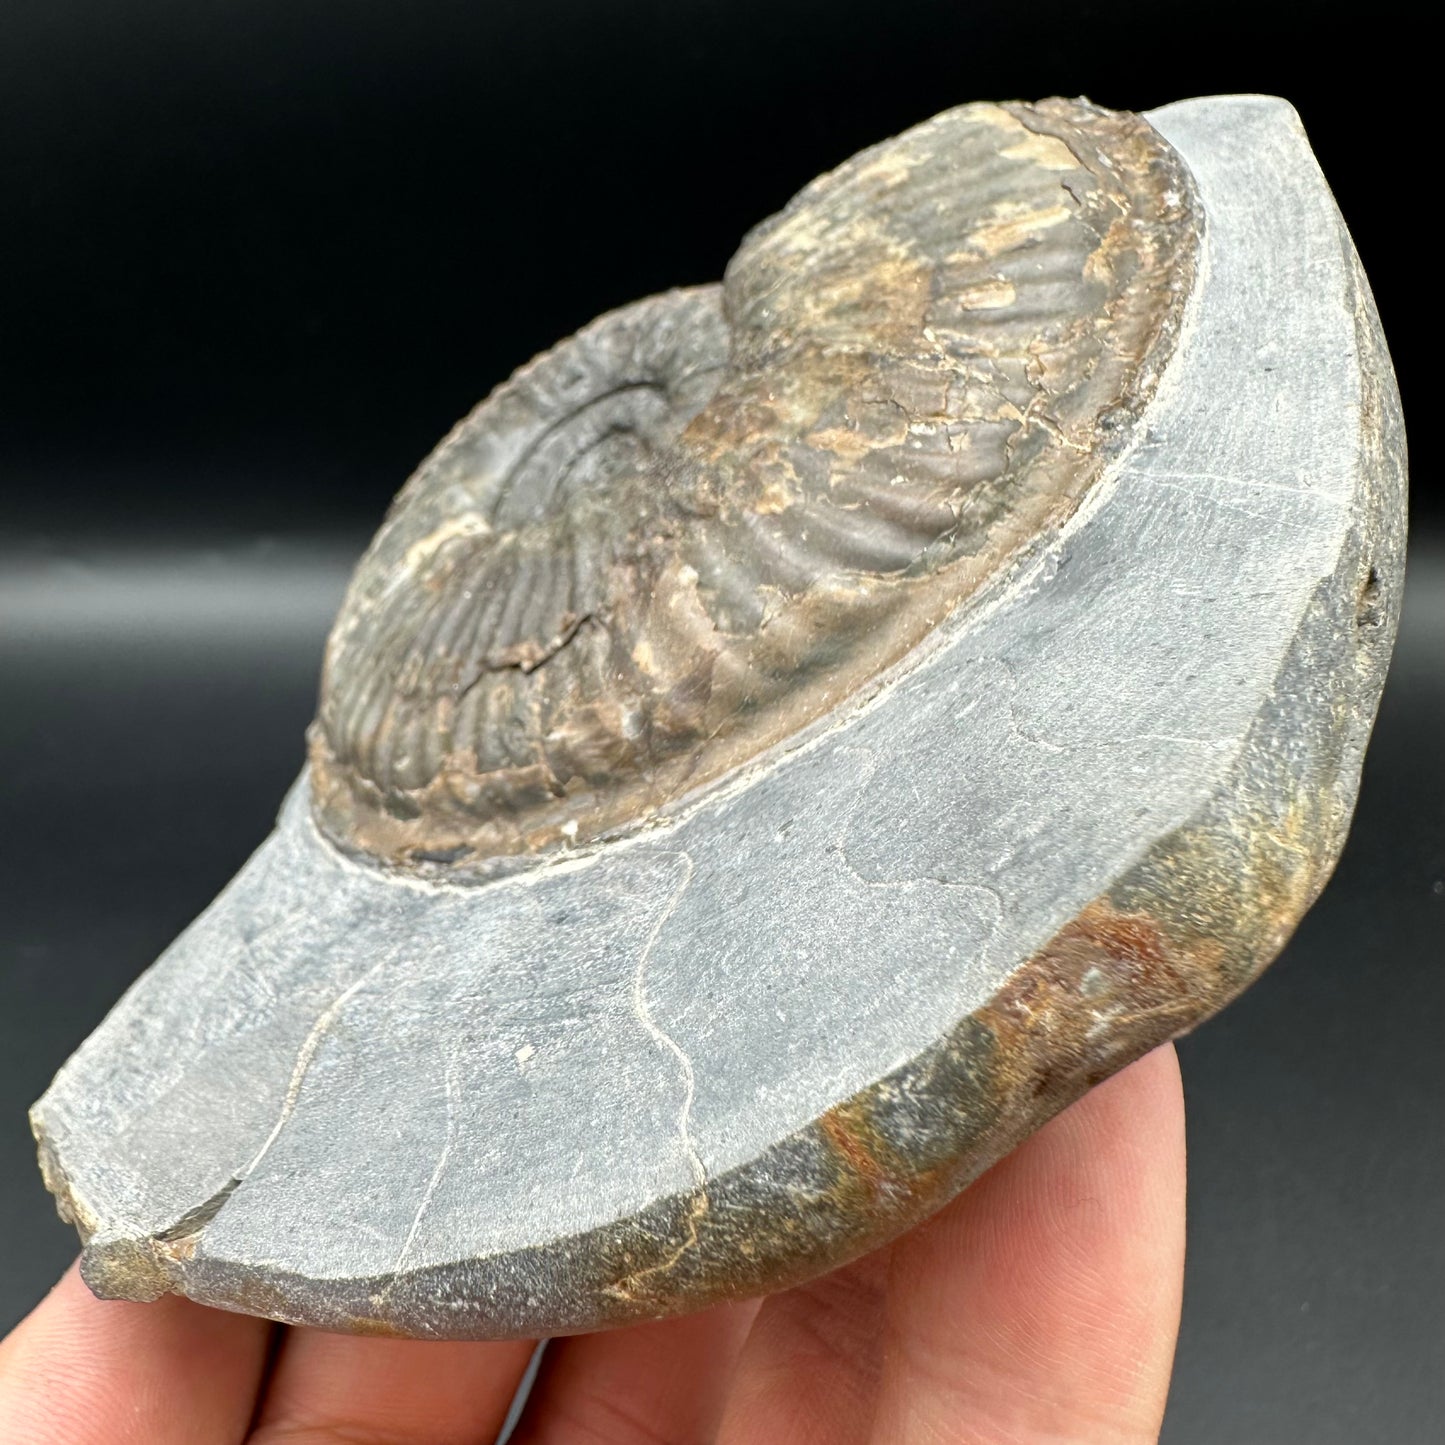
[{"x": 700, "y": 524}]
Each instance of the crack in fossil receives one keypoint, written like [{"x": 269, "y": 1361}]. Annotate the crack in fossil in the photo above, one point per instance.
[
  {"x": 644, "y": 1014},
  {"x": 698, "y": 1204},
  {"x": 177, "y": 1241},
  {"x": 839, "y": 848},
  {"x": 537, "y": 657},
  {"x": 304, "y": 1058},
  {"x": 429, "y": 1193},
  {"x": 189, "y": 1226}
]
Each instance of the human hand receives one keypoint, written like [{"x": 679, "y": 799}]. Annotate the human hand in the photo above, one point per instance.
[{"x": 1041, "y": 1305}]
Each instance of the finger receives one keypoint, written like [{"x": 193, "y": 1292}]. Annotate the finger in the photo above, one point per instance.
[
  {"x": 83, "y": 1371},
  {"x": 665, "y": 1381},
  {"x": 326, "y": 1388},
  {"x": 1043, "y": 1304},
  {"x": 809, "y": 1370}
]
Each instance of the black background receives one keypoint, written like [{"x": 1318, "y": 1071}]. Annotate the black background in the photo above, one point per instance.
[{"x": 255, "y": 258}]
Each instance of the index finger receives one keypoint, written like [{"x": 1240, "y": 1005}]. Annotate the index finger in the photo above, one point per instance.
[
  {"x": 1044, "y": 1303},
  {"x": 83, "y": 1371}
]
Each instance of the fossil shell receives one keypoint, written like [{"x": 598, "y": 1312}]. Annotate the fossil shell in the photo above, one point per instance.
[{"x": 692, "y": 529}]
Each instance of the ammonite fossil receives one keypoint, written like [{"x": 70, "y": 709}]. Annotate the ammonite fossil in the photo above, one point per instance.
[
  {"x": 786, "y": 743},
  {"x": 704, "y": 521}
]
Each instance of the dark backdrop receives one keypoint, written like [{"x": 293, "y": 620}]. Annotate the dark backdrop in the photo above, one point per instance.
[{"x": 257, "y": 255}]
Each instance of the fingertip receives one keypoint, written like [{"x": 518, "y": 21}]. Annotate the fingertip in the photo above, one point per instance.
[
  {"x": 80, "y": 1371},
  {"x": 1046, "y": 1297},
  {"x": 328, "y": 1387}
]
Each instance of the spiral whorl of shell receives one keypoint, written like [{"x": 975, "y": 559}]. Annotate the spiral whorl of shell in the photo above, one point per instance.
[{"x": 693, "y": 528}]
